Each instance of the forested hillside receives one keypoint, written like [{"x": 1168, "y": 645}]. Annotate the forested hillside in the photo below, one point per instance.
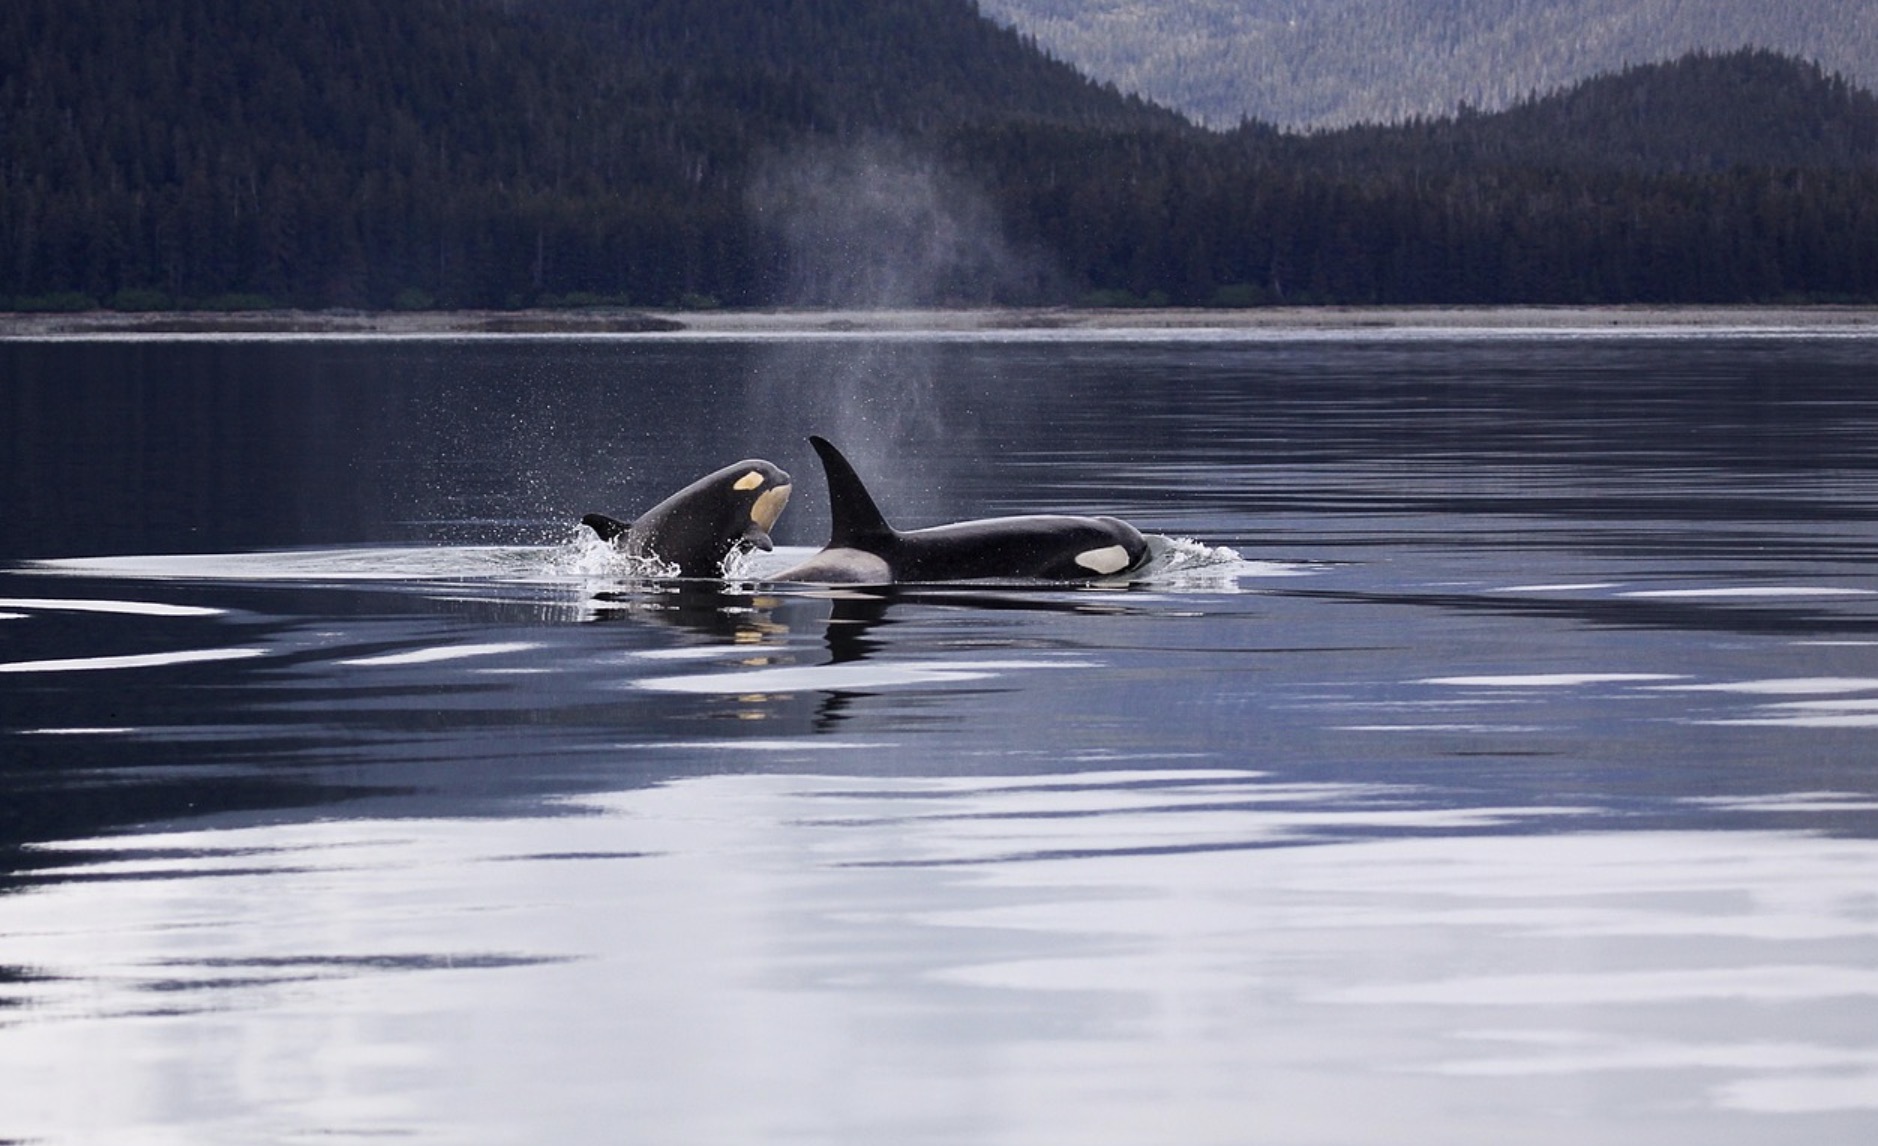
[
  {"x": 900, "y": 64},
  {"x": 356, "y": 152},
  {"x": 1702, "y": 113},
  {"x": 1300, "y": 63},
  {"x": 416, "y": 153},
  {"x": 1590, "y": 196}
]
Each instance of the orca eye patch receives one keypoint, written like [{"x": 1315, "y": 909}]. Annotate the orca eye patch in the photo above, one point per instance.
[
  {"x": 769, "y": 506},
  {"x": 751, "y": 480},
  {"x": 1111, "y": 559}
]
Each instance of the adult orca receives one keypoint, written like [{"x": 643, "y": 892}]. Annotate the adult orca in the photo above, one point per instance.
[
  {"x": 863, "y": 549},
  {"x": 696, "y": 528}
]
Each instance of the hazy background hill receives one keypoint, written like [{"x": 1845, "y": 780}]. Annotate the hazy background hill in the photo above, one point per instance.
[{"x": 1335, "y": 62}]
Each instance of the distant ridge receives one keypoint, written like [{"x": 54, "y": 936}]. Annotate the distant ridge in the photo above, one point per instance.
[{"x": 1329, "y": 63}]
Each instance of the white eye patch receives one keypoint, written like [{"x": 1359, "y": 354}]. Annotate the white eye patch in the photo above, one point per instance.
[
  {"x": 1112, "y": 559},
  {"x": 769, "y": 507},
  {"x": 750, "y": 480}
]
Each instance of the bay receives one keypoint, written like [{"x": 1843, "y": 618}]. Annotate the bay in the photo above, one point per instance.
[{"x": 1489, "y": 752}]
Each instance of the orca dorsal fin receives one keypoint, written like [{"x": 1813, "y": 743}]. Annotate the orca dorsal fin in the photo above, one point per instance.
[
  {"x": 608, "y": 528},
  {"x": 856, "y": 517}
]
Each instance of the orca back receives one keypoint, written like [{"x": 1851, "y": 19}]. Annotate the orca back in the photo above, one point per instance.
[{"x": 864, "y": 549}]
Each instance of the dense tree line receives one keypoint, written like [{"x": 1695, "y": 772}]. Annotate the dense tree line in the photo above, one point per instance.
[
  {"x": 343, "y": 151},
  {"x": 1701, "y": 113},
  {"x": 1207, "y": 226},
  {"x": 512, "y": 152}
]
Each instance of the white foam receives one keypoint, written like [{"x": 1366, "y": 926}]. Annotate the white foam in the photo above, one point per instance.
[
  {"x": 837, "y": 677},
  {"x": 1548, "y": 680},
  {"x": 444, "y": 653},
  {"x": 1569, "y": 587},
  {"x": 134, "y": 661},
  {"x": 1791, "y": 686},
  {"x": 133, "y": 608},
  {"x": 1798, "y": 720},
  {"x": 1751, "y": 592},
  {"x": 498, "y": 563},
  {"x": 1789, "y": 802},
  {"x": 806, "y": 745},
  {"x": 1466, "y": 728},
  {"x": 1844, "y": 704}
]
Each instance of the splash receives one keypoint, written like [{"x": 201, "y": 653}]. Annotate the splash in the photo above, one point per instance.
[
  {"x": 585, "y": 557},
  {"x": 1184, "y": 554},
  {"x": 1181, "y": 564}
]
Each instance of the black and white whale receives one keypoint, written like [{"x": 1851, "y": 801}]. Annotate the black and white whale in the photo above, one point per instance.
[
  {"x": 695, "y": 529},
  {"x": 863, "y": 549}
]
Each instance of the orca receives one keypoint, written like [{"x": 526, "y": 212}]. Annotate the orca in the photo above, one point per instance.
[
  {"x": 863, "y": 549},
  {"x": 695, "y": 529}
]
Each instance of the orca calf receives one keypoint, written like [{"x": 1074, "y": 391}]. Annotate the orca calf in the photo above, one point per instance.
[
  {"x": 696, "y": 528},
  {"x": 863, "y": 549}
]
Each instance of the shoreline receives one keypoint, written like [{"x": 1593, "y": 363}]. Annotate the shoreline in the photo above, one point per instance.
[{"x": 909, "y": 321}]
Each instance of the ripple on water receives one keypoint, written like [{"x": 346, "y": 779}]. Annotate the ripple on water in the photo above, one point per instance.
[{"x": 1103, "y": 935}]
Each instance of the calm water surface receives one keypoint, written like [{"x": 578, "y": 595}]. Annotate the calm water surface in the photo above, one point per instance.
[{"x": 1492, "y": 756}]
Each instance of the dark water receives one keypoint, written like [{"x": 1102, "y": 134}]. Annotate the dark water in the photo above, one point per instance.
[{"x": 1492, "y": 753}]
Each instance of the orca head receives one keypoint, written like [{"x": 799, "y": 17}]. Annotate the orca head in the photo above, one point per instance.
[
  {"x": 696, "y": 528},
  {"x": 762, "y": 493}
]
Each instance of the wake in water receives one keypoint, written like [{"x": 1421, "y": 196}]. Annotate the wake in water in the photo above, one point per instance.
[
  {"x": 581, "y": 559},
  {"x": 1186, "y": 564},
  {"x": 1174, "y": 564}
]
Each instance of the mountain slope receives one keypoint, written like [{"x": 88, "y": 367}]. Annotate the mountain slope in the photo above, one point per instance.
[
  {"x": 357, "y": 151},
  {"x": 1334, "y": 62},
  {"x": 906, "y": 152},
  {"x": 1742, "y": 178},
  {"x": 905, "y": 64}
]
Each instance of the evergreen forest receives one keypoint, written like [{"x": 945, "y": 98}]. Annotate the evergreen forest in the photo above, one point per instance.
[{"x": 508, "y": 153}]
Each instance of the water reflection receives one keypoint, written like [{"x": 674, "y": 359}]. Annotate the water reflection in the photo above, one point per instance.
[
  {"x": 1515, "y": 788},
  {"x": 460, "y": 679},
  {"x": 1098, "y": 956}
]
